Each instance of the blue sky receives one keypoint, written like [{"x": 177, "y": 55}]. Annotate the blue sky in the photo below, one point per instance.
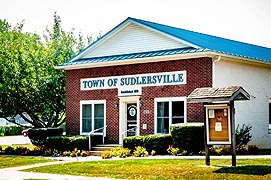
[{"x": 242, "y": 20}]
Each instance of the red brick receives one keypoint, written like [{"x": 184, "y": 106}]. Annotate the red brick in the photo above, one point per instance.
[{"x": 199, "y": 74}]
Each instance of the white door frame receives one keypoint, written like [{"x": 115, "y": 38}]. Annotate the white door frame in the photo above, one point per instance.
[{"x": 123, "y": 115}]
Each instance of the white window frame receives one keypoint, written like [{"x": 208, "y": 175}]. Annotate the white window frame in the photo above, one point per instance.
[
  {"x": 92, "y": 102},
  {"x": 170, "y": 100}
]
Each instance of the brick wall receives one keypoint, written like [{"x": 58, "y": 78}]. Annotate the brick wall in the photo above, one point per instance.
[{"x": 199, "y": 74}]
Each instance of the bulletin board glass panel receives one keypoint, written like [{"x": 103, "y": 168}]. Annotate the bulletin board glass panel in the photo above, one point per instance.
[{"x": 218, "y": 124}]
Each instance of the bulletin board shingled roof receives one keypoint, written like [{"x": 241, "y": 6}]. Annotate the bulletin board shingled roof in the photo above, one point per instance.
[{"x": 208, "y": 95}]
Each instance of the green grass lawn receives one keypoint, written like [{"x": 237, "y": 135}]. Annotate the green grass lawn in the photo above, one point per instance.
[
  {"x": 165, "y": 169},
  {"x": 14, "y": 161}
]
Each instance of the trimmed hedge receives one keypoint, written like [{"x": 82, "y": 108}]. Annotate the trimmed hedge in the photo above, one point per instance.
[
  {"x": 10, "y": 130},
  {"x": 158, "y": 143},
  {"x": 133, "y": 141},
  {"x": 38, "y": 136},
  {"x": 189, "y": 137},
  {"x": 69, "y": 143}
]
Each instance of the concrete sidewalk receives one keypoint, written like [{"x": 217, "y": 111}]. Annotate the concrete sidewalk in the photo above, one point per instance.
[{"x": 16, "y": 173}]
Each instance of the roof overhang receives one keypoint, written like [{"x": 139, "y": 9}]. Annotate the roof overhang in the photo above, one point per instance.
[
  {"x": 137, "y": 60},
  {"x": 215, "y": 95},
  {"x": 209, "y": 53}
]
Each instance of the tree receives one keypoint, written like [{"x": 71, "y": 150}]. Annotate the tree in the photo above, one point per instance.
[{"x": 29, "y": 83}]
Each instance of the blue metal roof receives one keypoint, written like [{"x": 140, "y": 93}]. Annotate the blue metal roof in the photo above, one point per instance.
[
  {"x": 213, "y": 43},
  {"x": 203, "y": 42},
  {"x": 134, "y": 55}
]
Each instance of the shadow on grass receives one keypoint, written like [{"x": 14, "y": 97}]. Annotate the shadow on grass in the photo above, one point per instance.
[{"x": 250, "y": 170}]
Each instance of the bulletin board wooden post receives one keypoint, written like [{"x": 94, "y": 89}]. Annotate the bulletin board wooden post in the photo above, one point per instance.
[{"x": 233, "y": 144}]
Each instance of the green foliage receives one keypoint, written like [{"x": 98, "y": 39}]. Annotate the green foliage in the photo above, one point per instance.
[
  {"x": 188, "y": 137},
  {"x": 253, "y": 149},
  {"x": 158, "y": 143},
  {"x": 67, "y": 143},
  {"x": 29, "y": 83},
  {"x": 21, "y": 150},
  {"x": 106, "y": 154},
  {"x": 185, "y": 153},
  {"x": 121, "y": 152},
  {"x": 140, "y": 152},
  {"x": 76, "y": 153},
  {"x": 10, "y": 130},
  {"x": 242, "y": 134},
  {"x": 133, "y": 141},
  {"x": 38, "y": 136},
  {"x": 9, "y": 150},
  {"x": 222, "y": 150},
  {"x": 173, "y": 151},
  {"x": 153, "y": 152},
  {"x": 67, "y": 153},
  {"x": 241, "y": 150},
  {"x": 84, "y": 153}
]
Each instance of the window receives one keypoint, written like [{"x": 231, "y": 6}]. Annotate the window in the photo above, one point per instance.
[
  {"x": 169, "y": 111},
  {"x": 92, "y": 116}
]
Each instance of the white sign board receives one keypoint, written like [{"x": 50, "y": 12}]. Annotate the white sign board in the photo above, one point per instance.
[{"x": 130, "y": 81}]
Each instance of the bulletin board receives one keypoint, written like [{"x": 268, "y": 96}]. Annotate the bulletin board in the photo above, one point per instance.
[{"x": 218, "y": 125}]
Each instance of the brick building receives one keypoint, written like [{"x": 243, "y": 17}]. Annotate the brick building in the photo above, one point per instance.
[{"x": 135, "y": 79}]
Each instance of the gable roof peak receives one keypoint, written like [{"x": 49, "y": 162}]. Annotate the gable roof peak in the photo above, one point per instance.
[{"x": 189, "y": 38}]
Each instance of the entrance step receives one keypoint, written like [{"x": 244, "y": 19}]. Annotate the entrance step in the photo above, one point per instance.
[{"x": 98, "y": 149}]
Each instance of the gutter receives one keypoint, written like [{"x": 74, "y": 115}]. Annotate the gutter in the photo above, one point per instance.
[
  {"x": 214, "y": 55},
  {"x": 137, "y": 60}
]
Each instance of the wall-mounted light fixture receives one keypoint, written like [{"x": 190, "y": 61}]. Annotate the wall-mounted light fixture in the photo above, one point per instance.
[
  {"x": 116, "y": 104},
  {"x": 141, "y": 103}
]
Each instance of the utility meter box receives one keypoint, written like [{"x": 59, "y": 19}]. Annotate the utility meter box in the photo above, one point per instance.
[{"x": 218, "y": 124}]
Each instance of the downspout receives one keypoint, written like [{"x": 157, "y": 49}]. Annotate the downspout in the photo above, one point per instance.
[{"x": 216, "y": 59}]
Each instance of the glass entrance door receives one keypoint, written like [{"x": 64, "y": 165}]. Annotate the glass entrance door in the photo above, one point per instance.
[{"x": 131, "y": 119}]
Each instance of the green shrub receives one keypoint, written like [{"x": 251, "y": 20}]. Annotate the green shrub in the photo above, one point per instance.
[
  {"x": 173, "y": 151},
  {"x": 67, "y": 153},
  {"x": 67, "y": 143},
  {"x": 38, "y": 135},
  {"x": 106, "y": 154},
  {"x": 21, "y": 150},
  {"x": 133, "y": 141},
  {"x": 188, "y": 137},
  {"x": 140, "y": 152},
  {"x": 9, "y": 150},
  {"x": 47, "y": 153},
  {"x": 185, "y": 153},
  {"x": 121, "y": 152},
  {"x": 76, "y": 153},
  {"x": 220, "y": 150},
  {"x": 84, "y": 153},
  {"x": 253, "y": 150},
  {"x": 242, "y": 135},
  {"x": 241, "y": 150},
  {"x": 10, "y": 130},
  {"x": 158, "y": 143}
]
